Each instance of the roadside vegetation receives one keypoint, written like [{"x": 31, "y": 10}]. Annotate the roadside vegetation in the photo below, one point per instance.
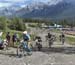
[
  {"x": 19, "y": 25},
  {"x": 71, "y": 40}
]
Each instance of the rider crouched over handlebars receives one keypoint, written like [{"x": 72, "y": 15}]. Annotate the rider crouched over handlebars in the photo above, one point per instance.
[
  {"x": 25, "y": 44},
  {"x": 38, "y": 43},
  {"x": 50, "y": 39}
]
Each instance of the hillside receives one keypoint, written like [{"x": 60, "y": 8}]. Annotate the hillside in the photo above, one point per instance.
[{"x": 39, "y": 9}]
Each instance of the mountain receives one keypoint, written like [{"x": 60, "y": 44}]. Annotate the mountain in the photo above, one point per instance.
[
  {"x": 62, "y": 9},
  {"x": 41, "y": 9},
  {"x": 46, "y": 11}
]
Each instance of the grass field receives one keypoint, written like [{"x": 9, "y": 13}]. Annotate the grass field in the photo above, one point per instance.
[
  {"x": 56, "y": 31},
  {"x": 71, "y": 40}
]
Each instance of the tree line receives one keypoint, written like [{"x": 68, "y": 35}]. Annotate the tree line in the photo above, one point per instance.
[{"x": 20, "y": 23}]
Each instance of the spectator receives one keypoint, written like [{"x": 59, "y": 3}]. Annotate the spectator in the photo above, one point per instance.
[
  {"x": 8, "y": 38},
  {"x": 62, "y": 38},
  {"x": 14, "y": 39}
]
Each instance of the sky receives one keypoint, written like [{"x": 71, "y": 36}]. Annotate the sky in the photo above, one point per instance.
[{"x": 7, "y": 3}]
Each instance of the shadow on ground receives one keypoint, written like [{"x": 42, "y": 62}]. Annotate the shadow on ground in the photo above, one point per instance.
[{"x": 64, "y": 50}]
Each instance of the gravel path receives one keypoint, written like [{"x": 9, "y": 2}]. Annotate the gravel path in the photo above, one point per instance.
[
  {"x": 57, "y": 55},
  {"x": 39, "y": 58}
]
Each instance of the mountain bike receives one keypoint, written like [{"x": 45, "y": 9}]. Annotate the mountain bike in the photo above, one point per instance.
[{"x": 23, "y": 49}]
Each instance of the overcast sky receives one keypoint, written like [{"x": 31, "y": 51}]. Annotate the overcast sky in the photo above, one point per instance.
[{"x": 6, "y": 3}]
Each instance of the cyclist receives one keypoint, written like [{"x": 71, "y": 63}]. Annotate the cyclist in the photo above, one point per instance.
[
  {"x": 38, "y": 43},
  {"x": 50, "y": 39},
  {"x": 25, "y": 43},
  {"x": 62, "y": 38}
]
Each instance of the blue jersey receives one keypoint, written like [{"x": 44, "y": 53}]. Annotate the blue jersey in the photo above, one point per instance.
[{"x": 26, "y": 37}]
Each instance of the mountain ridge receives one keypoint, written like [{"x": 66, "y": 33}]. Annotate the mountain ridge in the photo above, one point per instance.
[{"x": 40, "y": 9}]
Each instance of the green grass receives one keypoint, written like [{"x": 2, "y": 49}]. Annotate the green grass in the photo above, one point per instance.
[
  {"x": 11, "y": 33},
  {"x": 71, "y": 40},
  {"x": 14, "y": 31},
  {"x": 56, "y": 30}
]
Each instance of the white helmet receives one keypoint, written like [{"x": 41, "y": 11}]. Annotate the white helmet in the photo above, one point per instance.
[{"x": 25, "y": 32}]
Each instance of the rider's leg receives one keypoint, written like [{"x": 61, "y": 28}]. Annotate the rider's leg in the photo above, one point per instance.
[
  {"x": 24, "y": 52},
  {"x": 49, "y": 44},
  {"x": 63, "y": 40}
]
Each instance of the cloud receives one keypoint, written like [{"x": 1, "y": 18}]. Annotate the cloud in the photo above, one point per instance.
[
  {"x": 13, "y": 1},
  {"x": 6, "y": 3}
]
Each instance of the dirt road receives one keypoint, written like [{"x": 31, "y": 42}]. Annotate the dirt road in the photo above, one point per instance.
[
  {"x": 54, "y": 56},
  {"x": 57, "y": 55}
]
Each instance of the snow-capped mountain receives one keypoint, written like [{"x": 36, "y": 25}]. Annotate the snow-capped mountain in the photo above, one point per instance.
[
  {"x": 49, "y": 11},
  {"x": 23, "y": 3},
  {"x": 38, "y": 8},
  {"x": 18, "y": 4}
]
